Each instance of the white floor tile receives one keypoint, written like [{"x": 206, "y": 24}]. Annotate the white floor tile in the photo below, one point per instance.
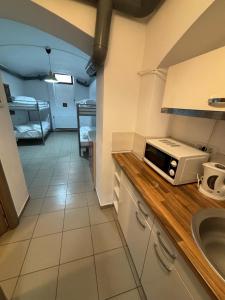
[
  {"x": 77, "y": 280},
  {"x": 79, "y": 187},
  {"x": 105, "y": 237},
  {"x": 33, "y": 207},
  {"x": 22, "y": 232},
  {"x": 43, "y": 253},
  {"x": 76, "y": 200},
  {"x": 11, "y": 259},
  {"x": 52, "y": 204},
  {"x": 8, "y": 287},
  {"x": 56, "y": 190},
  {"x": 92, "y": 198},
  {"x": 113, "y": 273},
  {"x": 131, "y": 295},
  {"x": 40, "y": 285},
  {"x": 49, "y": 223},
  {"x": 100, "y": 215},
  {"x": 76, "y": 218},
  {"x": 76, "y": 244}
]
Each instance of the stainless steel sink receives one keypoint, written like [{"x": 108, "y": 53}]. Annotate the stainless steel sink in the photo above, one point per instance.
[{"x": 208, "y": 229}]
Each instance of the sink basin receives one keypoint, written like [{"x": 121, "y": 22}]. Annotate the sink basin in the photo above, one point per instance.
[{"x": 208, "y": 229}]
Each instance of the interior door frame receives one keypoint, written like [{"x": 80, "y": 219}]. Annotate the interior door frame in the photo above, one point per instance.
[{"x": 7, "y": 201}]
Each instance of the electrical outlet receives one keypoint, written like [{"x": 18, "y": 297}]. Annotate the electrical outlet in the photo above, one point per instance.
[{"x": 204, "y": 148}]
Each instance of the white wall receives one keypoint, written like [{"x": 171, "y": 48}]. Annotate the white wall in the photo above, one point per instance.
[
  {"x": 57, "y": 94},
  {"x": 163, "y": 31},
  {"x": 198, "y": 131},
  {"x": 120, "y": 95},
  {"x": 37, "y": 89},
  {"x": 16, "y": 86},
  {"x": 10, "y": 158}
]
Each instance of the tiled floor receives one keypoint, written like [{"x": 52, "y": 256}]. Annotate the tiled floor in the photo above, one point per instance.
[{"x": 66, "y": 246}]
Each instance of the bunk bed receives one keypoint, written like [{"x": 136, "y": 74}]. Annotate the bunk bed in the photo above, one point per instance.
[
  {"x": 85, "y": 108},
  {"x": 33, "y": 129}
]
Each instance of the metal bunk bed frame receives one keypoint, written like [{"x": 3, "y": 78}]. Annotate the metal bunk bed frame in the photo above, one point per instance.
[
  {"x": 38, "y": 110},
  {"x": 84, "y": 110}
]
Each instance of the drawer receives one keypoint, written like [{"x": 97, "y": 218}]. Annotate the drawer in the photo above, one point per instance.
[
  {"x": 173, "y": 257},
  {"x": 135, "y": 228},
  {"x": 160, "y": 278}
]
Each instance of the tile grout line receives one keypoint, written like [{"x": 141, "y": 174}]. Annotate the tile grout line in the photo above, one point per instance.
[
  {"x": 65, "y": 263},
  {"x": 95, "y": 267},
  {"x": 19, "y": 275},
  {"x": 60, "y": 253},
  {"x": 108, "y": 298}
]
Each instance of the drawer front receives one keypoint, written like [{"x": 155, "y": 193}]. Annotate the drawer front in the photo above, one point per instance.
[
  {"x": 173, "y": 257},
  {"x": 160, "y": 279},
  {"x": 143, "y": 207},
  {"x": 134, "y": 227}
]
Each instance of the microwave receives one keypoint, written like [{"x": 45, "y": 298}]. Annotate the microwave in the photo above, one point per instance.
[{"x": 177, "y": 162}]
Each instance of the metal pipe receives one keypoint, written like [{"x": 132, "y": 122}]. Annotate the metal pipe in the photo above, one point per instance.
[
  {"x": 102, "y": 30},
  {"x": 134, "y": 8}
]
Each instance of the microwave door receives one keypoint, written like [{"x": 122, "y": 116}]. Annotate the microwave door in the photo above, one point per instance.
[{"x": 158, "y": 158}]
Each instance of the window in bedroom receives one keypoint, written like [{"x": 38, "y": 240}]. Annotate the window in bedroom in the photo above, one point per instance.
[{"x": 64, "y": 78}]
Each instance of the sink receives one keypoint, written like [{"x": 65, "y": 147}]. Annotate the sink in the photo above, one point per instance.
[{"x": 208, "y": 229}]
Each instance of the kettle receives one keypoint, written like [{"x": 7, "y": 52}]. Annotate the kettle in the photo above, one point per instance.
[{"x": 212, "y": 184}]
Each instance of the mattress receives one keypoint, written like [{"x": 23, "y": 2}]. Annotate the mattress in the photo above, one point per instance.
[
  {"x": 84, "y": 137},
  {"x": 31, "y": 130},
  {"x": 27, "y": 103}
]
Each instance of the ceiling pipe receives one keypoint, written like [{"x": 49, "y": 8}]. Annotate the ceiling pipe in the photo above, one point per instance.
[
  {"x": 101, "y": 40},
  {"x": 133, "y": 8}
]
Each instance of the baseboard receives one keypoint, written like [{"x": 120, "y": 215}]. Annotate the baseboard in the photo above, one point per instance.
[
  {"x": 105, "y": 205},
  {"x": 25, "y": 205}
]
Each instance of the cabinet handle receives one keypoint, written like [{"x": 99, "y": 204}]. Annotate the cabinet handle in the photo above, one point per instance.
[
  {"x": 172, "y": 255},
  {"x": 168, "y": 269},
  {"x": 141, "y": 209},
  {"x": 139, "y": 221},
  {"x": 218, "y": 102}
]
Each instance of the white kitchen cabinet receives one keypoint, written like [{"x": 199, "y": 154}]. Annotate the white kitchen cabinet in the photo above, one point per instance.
[
  {"x": 160, "y": 279},
  {"x": 153, "y": 251},
  {"x": 191, "y": 83},
  {"x": 166, "y": 273},
  {"x": 134, "y": 226}
]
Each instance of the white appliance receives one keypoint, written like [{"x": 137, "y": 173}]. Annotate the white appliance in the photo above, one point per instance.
[
  {"x": 212, "y": 184},
  {"x": 176, "y": 162}
]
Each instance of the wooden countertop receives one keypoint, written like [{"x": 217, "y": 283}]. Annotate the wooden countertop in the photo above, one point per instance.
[{"x": 174, "y": 206}]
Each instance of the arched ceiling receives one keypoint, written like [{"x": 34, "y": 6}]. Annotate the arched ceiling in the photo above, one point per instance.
[{"x": 22, "y": 51}]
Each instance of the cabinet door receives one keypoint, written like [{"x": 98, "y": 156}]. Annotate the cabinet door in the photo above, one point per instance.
[
  {"x": 134, "y": 227},
  {"x": 160, "y": 279},
  {"x": 190, "y": 84}
]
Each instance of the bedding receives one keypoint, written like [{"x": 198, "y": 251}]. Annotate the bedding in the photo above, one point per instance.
[
  {"x": 84, "y": 138},
  {"x": 31, "y": 130},
  {"x": 27, "y": 103}
]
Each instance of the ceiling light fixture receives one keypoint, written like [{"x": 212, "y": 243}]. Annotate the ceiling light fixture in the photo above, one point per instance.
[{"x": 50, "y": 78}]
